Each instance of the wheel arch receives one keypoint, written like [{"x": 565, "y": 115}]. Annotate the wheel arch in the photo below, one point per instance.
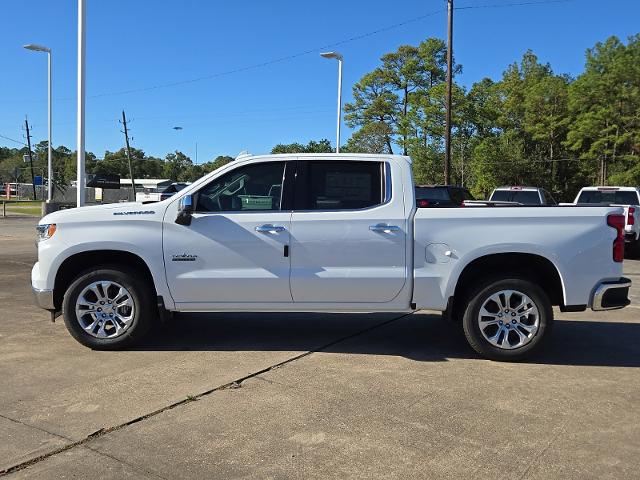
[
  {"x": 73, "y": 265},
  {"x": 525, "y": 265}
]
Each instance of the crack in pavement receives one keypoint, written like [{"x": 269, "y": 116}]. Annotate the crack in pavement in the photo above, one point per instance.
[
  {"x": 20, "y": 422},
  {"x": 191, "y": 398},
  {"x": 124, "y": 462}
]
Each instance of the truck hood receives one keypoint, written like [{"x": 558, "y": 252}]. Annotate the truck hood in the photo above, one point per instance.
[{"x": 110, "y": 211}]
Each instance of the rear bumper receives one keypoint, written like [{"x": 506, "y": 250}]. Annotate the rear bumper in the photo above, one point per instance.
[
  {"x": 43, "y": 298},
  {"x": 611, "y": 295}
]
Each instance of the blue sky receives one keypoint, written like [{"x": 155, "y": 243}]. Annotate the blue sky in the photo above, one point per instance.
[{"x": 136, "y": 45}]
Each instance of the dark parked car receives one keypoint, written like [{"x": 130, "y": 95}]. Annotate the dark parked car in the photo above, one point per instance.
[{"x": 441, "y": 196}]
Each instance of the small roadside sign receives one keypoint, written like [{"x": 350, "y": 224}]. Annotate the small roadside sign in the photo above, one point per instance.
[
  {"x": 37, "y": 180},
  {"x": 25, "y": 158}
]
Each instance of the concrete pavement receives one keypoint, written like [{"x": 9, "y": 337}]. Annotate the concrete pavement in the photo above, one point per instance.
[{"x": 312, "y": 396}]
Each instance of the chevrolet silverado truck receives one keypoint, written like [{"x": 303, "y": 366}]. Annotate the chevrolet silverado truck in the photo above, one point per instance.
[{"x": 326, "y": 233}]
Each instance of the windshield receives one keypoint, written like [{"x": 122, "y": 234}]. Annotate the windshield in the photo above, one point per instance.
[
  {"x": 529, "y": 197},
  {"x": 609, "y": 197}
]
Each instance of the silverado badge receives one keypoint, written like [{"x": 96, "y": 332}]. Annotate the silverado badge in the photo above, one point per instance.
[{"x": 183, "y": 258}]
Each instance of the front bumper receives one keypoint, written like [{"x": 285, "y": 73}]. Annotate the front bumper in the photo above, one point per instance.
[
  {"x": 611, "y": 295},
  {"x": 44, "y": 298}
]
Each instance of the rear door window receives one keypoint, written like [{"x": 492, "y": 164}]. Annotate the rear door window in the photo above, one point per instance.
[{"x": 338, "y": 185}]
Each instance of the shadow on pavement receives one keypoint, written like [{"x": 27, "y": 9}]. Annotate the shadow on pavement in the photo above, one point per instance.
[{"x": 419, "y": 337}]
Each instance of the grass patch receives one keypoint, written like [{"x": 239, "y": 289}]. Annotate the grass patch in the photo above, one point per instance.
[
  {"x": 22, "y": 207},
  {"x": 24, "y": 203}
]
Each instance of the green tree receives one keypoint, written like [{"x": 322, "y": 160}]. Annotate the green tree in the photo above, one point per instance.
[
  {"x": 371, "y": 138},
  {"x": 402, "y": 101},
  {"x": 322, "y": 146},
  {"x": 177, "y": 166},
  {"x": 216, "y": 163},
  {"x": 604, "y": 102},
  {"x": 373, "y": 102}
]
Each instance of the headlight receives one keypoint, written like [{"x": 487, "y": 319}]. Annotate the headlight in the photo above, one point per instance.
[{"x": 45, "y": 231}]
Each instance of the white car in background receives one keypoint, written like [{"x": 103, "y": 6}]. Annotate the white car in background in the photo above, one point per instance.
[
  {"x": 159, "y": 194},
  {"x": 627, "y": 197},
  {"x": 522, "y": 195}
]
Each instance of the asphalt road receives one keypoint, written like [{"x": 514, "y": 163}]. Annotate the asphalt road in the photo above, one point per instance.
[{"x": 312, "y": 396}]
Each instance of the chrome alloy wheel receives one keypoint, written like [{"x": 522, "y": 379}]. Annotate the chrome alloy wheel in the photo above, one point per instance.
[
  {"x": 105, "y": 309},
  {"x": 508, "y": 319}
]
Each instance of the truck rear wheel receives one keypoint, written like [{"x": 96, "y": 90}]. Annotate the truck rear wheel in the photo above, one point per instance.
[
  {"x": 109, "y": 308},
  {"x": 507, "y": 319}
]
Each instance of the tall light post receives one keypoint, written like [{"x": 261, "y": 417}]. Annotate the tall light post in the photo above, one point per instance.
[
  {"x": 338, "y": 57},
  {"x": 80, "y": 196},
  {"x": 40, "y": 48}
]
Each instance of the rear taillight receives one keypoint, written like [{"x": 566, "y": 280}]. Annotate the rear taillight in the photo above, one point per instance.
[
  {"x": 617, "y": 221},
  {"x": 423, "y": 203},
  {"x": 630, "y": 219}
]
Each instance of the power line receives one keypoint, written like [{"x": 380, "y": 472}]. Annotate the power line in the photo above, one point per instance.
[
  {"x": 270, "y": 62},
  {"x": 12, "y": 140},
  {"x": 313, "y": 50},
  {"x": 320, "y": 48},
  {"x": 515, "y": 4}
]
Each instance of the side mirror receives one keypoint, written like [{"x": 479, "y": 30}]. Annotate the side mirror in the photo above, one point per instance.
[{"x": 185, "y": 210}]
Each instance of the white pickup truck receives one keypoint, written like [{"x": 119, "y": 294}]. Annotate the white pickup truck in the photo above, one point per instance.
[
  {"x": 326, "y": 233},
  {"x": 626, "y": 197}
]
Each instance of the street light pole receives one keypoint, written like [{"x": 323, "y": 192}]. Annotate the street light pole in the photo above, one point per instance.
[
  {"x": 80, "y": 197},
  {"x": 40, "y": 48},
  {"x": 338, "y": 57},
  {"x": 49, "y": 127}
]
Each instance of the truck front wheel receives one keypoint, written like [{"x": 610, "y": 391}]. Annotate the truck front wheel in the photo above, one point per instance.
[
  {"x": 108, "y": 308},
  {"x": 507, "y": 319}
]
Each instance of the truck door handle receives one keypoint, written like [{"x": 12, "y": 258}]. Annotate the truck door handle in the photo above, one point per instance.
[
  {"x": 384, "y": 228},
  {"x": 268, "y": 228}
]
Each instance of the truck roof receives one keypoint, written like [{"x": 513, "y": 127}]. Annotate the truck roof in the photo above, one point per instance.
[
  {"x": 518, "y": 188},
  {"x": 610, "y": 189},
  {"x": 327, "y": 156}
]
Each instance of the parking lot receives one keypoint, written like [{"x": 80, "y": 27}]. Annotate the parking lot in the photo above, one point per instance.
[{"x": 312, "y": 395}]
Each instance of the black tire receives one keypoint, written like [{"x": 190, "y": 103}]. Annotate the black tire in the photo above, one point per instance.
[
  {"x": 479, "y": 295},
  {"x": 142, "y": 296}
]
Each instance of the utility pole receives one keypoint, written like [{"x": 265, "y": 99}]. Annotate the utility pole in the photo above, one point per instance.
[
  {"x": 447, "y": 131},
  {"x": 33, "y": 178},
  {"x": 126, "y": 139}
]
